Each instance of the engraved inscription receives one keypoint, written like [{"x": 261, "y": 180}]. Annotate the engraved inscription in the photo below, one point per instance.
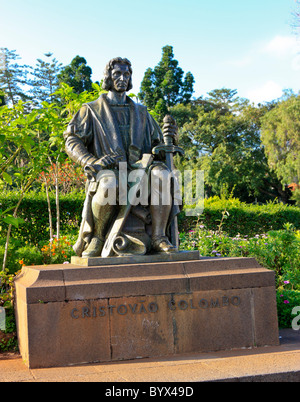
[{"x": 141, "y": 307}]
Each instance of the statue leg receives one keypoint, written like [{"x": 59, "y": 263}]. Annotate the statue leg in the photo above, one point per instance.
[
  {"x": 103, "y": 210},
  {"x": 160, "y": 208}
]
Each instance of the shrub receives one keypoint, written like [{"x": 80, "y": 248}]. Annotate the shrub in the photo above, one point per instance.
[
  {"x": 34, "y": 211},
  {"x": 276, "y": 250},
  {"x": 56, "y": 251},
  {"x": 242, "y": 218},
  {"x": 8, "y": 340},
  {"x": 286, "y": 301}
]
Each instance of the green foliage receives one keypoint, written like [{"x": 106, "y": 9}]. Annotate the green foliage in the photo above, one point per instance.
[
  {"x": 243, "y": 218},
  {"x": 164, "y": 86},
  {"x": 286, "y": 301},
  {"x": 8, "y": 338},
  {"x": 45, "y": 80},
  {"x": 6, "y": 289},
  {"x": 77, "y": 75},
  {"x": 276, "y": 250},
  {"x": 12, "y": 77},
  {"x": 221, "y": 136},
  {"x": 57, "y": 251},
  {"x": 34, "y": 212},
  {"x": 44, "y": 252},
  {"x": 281, "y": 139}
]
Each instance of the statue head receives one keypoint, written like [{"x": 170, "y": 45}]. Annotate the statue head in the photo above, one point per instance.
[{"x": 108, "y": 83}]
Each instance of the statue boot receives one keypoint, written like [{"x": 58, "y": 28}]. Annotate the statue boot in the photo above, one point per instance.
[
  {"x": 160, "y": 242},
  {"x": 102, "y": 216}
]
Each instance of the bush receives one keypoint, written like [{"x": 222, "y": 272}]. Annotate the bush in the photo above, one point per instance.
[
  {"x": 8, "y": 340},
  {"x": 56, "y": 251},
  {"x": 34, "y": 211},
  {"x": 286, "y": 301},
  {"x": 242, "y": 218},
  {"x": 276, "y": 250}
]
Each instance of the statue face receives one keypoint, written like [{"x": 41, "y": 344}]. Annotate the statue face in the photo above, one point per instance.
[{"x": 120, "y": 76}]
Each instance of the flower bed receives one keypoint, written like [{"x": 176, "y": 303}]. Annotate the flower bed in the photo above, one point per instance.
[{"x": 277, "y": 250}]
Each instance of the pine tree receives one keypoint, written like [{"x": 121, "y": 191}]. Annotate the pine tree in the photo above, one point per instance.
[
  {"x": 45, "y": 80},
  {"x": 12, "y": 77},
  {"x": 77, "y": 75},
  {"x": 164, "y": 86}
]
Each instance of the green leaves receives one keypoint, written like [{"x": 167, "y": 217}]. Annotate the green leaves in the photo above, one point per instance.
[
  {"x": 281, "y": 139},
  {"x": 164, "y": 86},
  {"x": 77, "y": 75},
  {"x": 7, "y": 178},
  {"x": 11, "y": 220},
  {"x": 222, "y": 137}
]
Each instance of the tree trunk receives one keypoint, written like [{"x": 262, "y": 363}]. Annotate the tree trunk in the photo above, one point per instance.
[
  {"x": 49, "y": 210},
  {"x": 27, "y": 186},
  {"x": 57, "y": 201}
]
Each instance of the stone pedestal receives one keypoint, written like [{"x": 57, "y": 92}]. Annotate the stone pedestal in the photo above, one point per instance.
[{"x": 71, "y": 314}]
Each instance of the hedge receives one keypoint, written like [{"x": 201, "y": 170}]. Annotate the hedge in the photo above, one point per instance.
[
  {"x": 34, "y": 211},
  {"x": 242, "y": 218}
]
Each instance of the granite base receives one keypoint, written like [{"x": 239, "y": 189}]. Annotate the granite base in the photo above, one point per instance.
[{"x": 71, "y": 314}]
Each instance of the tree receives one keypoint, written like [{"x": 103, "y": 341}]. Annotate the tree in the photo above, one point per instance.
[
  {"x": 21, "y": 157},
  {"x": 222, "y": 137},
  {"x": 77, "y": 75},
  {"x": 12, "y": 77},
  {"x": 51, "y": 123},
  {"x": 226, "y": 100},
  {"x": 164, "y": 86},
  {"x": 45, "y": 81},
  {"x": 2, "y": 98},
  {"x": 30, "y": 141},
  {"x": 281, "y": 139}
]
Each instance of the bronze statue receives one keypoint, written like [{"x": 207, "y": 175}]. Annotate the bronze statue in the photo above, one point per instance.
[{"x": 105, "y": 135}]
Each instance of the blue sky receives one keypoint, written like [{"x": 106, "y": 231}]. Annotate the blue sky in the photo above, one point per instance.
[{"x": 245, "y": 45}]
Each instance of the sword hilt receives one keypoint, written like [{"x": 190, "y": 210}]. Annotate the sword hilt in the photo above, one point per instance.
[
  {"x": 170, "y": 134},
  {"x": 168, "y": 149},
  {"x": 170, "y": 130}
]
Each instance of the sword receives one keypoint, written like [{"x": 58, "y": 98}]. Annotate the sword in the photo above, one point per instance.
[{"x": 170, "y": 149}]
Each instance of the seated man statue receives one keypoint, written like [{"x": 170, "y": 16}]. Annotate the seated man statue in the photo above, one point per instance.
[{"x": 102, "y": 134}]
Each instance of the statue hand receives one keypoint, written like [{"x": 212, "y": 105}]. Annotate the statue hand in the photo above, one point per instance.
[
  {"x": 109, "y": 161},
  {"x": 134, "y": 156}
]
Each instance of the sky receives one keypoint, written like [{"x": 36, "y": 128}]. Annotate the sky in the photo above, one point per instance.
[{"x": 249, "y": 46}]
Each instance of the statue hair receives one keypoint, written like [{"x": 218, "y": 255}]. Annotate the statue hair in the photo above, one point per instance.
[{"x": 107, "y": 81}]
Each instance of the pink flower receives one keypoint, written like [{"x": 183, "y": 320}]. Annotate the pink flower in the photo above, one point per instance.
[
  {"x": 286, "y": 302},
  {"x": 286, "y": 282}
]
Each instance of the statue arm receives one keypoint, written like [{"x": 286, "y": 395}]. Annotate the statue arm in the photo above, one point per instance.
[
  {"x": 78, "y": 137},
  {"x": 78, "y": 152}
]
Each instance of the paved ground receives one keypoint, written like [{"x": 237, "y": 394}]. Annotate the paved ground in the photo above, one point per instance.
[{"x": 280, "y": 363}]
